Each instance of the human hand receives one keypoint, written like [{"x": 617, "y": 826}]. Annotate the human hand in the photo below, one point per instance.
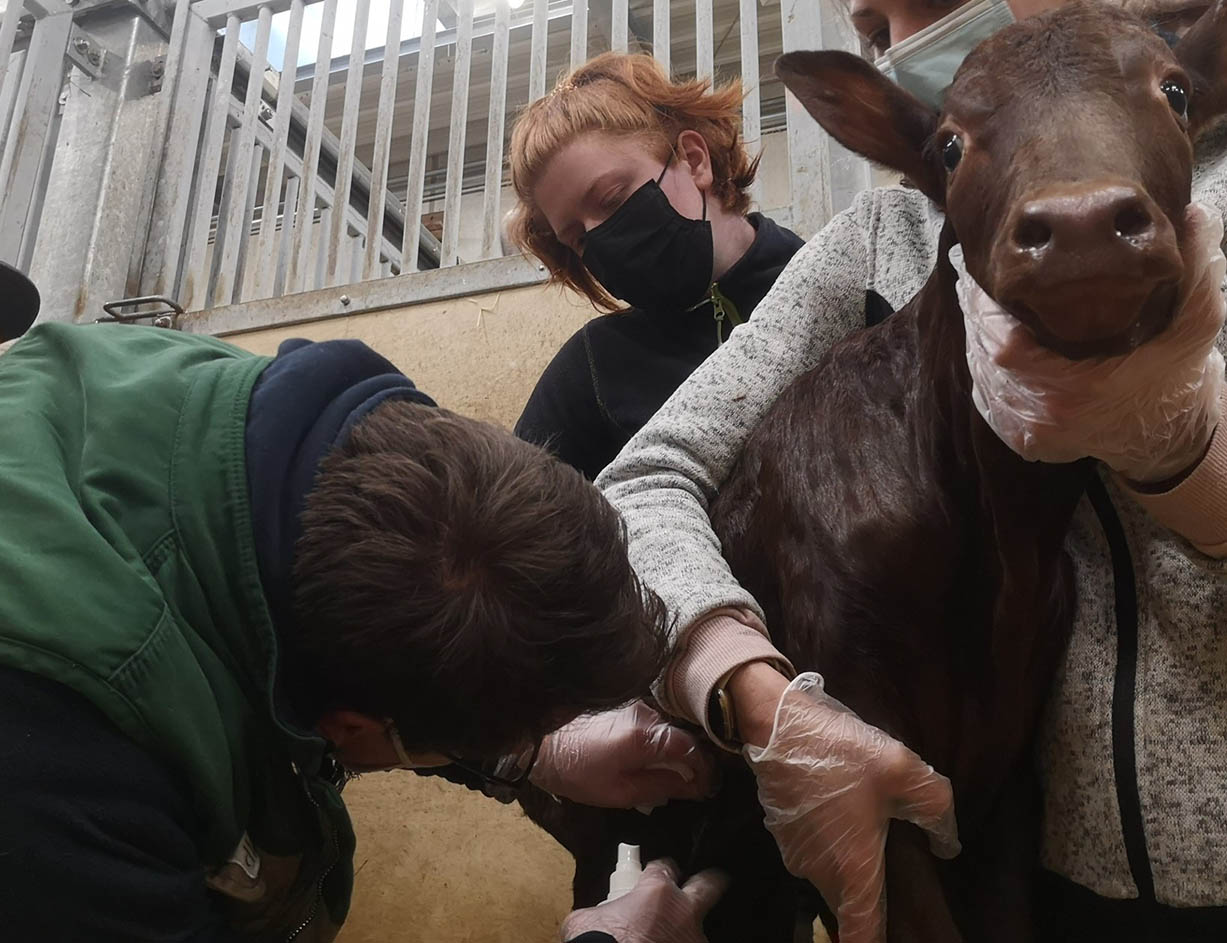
[
  {"x": 1148, "y": 414},
  {"x": 830, "y": 784},
  {"x": 626, "y": 758},
  {"x": 656, "y": 910}
]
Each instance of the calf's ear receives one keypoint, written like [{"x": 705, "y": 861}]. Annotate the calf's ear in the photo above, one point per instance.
[
  {"x": 867, "y": 113},
  {"x": 1203, "y": 53}
]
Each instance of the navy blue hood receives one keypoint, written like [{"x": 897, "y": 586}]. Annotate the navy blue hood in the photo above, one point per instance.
[{"x": 304, "y": 404}]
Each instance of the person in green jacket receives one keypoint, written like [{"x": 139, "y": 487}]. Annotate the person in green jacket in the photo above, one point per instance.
[{"x": 230, "y": 582}]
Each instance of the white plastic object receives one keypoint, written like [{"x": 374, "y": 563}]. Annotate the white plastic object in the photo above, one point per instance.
[
  {"x": 626, "y": 873},
  {"x": 1147, "y": 414}
]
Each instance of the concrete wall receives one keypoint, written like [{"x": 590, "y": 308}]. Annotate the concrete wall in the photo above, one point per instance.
[{"x": 436, "y": 863}]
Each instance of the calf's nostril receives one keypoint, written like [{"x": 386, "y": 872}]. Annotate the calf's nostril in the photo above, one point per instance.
[
  {"x": 1133, "y": 221},
  {"x": 1032, "y": 233}
]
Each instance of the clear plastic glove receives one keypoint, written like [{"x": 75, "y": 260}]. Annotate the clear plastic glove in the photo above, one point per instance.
[
  {"x": 622, "y": 759},
  {"x": 830, "y": 784},
  {"x": 656, "y": 911},
  {"x": 1148, "y": 414}
]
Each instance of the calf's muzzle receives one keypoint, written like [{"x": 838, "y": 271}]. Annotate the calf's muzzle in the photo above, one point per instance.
[{"x": 1091, "y": 268}]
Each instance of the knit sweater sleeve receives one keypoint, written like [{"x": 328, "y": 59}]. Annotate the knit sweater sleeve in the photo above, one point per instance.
[{"x": 664, "y": 480}]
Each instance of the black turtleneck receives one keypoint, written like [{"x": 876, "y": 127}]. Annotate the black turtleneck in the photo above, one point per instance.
[{"x": 613, "y": 375}]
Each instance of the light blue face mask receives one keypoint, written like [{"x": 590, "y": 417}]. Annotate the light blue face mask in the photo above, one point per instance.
[{"x": 925, "y": 62}]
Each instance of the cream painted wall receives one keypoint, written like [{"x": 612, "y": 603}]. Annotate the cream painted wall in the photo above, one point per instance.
[{"x": 479, "y": 355}]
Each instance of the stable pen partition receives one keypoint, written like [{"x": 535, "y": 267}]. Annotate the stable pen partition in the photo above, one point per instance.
[{"x": 352, "y": 147}]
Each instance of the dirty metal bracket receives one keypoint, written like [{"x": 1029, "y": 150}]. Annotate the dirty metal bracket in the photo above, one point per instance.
[
  {"x": 85, "y": 53},
  {"x": 166, "y": 315}
]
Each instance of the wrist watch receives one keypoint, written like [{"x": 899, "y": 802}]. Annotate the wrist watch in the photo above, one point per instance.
[
  {"x": 722, "y": 718},
  {"x": 721, "y": 713}
]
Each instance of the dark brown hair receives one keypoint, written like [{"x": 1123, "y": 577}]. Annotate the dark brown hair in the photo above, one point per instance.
[{"x": 466, "y": 585}]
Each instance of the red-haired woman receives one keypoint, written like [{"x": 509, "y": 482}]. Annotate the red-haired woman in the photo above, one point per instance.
[{"x": 634, "y": 188}]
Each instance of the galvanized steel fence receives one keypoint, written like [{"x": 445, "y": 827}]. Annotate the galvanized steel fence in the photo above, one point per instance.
[{"x": 274, "y": 163}]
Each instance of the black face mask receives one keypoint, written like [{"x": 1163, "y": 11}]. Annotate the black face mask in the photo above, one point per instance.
[{"x": 650, "y": 255}]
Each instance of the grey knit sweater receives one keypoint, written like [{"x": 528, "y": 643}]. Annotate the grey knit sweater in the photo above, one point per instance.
[{"x": 666, "y": 476}]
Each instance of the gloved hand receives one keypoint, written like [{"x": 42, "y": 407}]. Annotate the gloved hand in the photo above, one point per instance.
[
  {"x": 627, "y": 758},
  {"x": 656, "y": 910},
  {"x": 830, "y": 784},
  {"x": 1148, "y": 414}
]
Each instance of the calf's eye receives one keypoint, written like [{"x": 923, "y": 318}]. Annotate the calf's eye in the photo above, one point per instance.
[
  {"x": 1177, "y": 97},
  {"x": 952, "y": 152}
]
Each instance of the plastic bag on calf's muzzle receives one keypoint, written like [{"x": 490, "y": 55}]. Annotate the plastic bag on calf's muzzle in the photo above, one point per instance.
[{"x": 1147, "y": 414}]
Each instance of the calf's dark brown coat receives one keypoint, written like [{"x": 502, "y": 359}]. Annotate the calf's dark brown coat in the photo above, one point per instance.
[{"x": 895, "y": 544}]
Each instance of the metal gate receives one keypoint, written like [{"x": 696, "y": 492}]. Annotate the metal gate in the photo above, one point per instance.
[{"x": 272, "y": 162}]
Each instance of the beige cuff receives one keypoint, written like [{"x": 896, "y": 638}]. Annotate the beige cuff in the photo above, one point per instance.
[
  {"x": 713, "y": 649},
  {"x": 1196, "y": 509}
]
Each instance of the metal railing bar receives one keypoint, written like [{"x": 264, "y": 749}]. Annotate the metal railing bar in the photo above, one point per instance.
[
  {"x": 456, "y": 135},
  {"x": 272, "y": 236},
  {"x": 33, "y": 112},
  {"x": 245, "y": 271},
  {"x": 319, "y": 249},
  {"x": 208, "y": 166},
  {"x": 170, "y": 227},
  {"x": 172, "y": 73},
  {"x": 411, "y": 237},
  {"x": 343, "y": 180},
  {"x": 8, "y": 32},
  {"x": 620, "y": 41},
  {"x": 751, "y": 103},
  {"x": 311, "y": 152},
  {"x": 227, "y": 180},
  {"x": 660, "y": 33},
  {"x": 42, "y": 178},
  {"x": 283, "y": 243},
  {"x": 232, "y": 229},
  {"x": 537, "y": 64},
  {"x": 8, "y": 94},
  {"x": 579, "y": 33},
  {"x": 383, "y": 144},
  {"x": 491, "y": 208},
  {"x": 704, "y": 31}
]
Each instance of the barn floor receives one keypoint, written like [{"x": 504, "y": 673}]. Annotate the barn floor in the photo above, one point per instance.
[{"x": 438, "y": 864}]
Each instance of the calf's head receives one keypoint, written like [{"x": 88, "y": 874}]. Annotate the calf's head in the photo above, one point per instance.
[{"x": 1063, "y": 157}]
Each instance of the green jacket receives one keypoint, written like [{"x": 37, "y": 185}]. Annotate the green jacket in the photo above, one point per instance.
[{"x": 127, "y": 554}]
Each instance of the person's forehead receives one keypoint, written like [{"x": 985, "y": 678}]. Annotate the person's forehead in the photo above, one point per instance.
[
  {"x": 580, "y": 162},
  {"x": 595, "y": 151}
]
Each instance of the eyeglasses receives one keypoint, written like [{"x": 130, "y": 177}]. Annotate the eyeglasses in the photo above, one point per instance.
[{"x": 511, "y": 770}]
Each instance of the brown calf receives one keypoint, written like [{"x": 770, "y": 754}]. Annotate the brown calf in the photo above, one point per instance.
[{"x": 895, "y": 544}]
